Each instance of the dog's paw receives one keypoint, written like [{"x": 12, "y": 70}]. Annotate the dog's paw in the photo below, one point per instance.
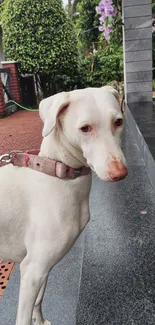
[{"x": 46, "y": 322}]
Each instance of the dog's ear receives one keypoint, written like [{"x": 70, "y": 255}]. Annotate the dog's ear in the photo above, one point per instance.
[
  {"x": 50, "y": 108},
  {"x": 112, "y": 90}
]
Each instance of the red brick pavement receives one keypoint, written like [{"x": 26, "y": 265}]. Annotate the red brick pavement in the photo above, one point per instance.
[{"x": 22, "y": 131}]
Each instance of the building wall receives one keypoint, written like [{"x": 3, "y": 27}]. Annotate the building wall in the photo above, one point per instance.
[{"x": 137, "y": 18}]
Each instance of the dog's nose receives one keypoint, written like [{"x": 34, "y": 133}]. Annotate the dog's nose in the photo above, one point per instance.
[{"x": 117, "y": 171}]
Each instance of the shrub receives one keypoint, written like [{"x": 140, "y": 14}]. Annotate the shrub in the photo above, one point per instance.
[
  {"x": 40, "y": 36},
  {"x": 86, "y": 24},
  {"x": 107, "y": 67}
]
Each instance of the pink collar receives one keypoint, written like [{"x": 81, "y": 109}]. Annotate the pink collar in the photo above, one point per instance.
[{"x": 46, "y": 165}]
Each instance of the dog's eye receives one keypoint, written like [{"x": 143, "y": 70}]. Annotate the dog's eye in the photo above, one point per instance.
[
  {"x": 118, "y": 122},
  {"x": 86, "y": 128}
]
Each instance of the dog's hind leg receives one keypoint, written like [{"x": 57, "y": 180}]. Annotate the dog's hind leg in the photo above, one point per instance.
[
  {"x": 34, "y": 273},
  {"x": 37, "y": 311}
]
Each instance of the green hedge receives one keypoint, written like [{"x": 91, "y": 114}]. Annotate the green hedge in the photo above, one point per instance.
[
  {"x": 40, "y": 36},
  {"x": 104, "y": 67}
]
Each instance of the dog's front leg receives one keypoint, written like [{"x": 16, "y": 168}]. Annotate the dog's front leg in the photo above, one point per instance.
[
  {"x": 33, "y": 275},
  {"x": 37, "y": 312}
]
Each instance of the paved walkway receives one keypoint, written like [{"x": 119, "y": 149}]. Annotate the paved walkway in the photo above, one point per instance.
[{"x": 21, "y": 130}]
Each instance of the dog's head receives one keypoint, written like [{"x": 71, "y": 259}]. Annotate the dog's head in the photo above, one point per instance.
[{"x": 91, "y": 121}]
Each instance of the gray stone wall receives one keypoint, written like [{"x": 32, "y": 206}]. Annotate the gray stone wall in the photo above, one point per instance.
[{"x": 137, "y": 18}]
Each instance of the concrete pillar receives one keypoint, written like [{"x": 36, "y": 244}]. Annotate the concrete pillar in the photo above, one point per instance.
[{"x": 137, "y": 19}]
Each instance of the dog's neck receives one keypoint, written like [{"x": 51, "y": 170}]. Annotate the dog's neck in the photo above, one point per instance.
[{"x": 56, "y": 146}]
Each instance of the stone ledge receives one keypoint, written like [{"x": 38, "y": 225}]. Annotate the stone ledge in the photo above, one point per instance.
[
  {"x": 133, "y": 56},
  {"x": 133, "y": 11},
  {"x": 141, "y": 121},
  {"x": 140, "y": 22},
  {"x": 139, "y": 76},
  {"x": 134, "y": 3}
]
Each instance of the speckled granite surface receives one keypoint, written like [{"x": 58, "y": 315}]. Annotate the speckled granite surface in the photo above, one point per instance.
[
  {"x": 61, "y": 294},
  {"x": 144, "y": 115},
  {"x": 118, "y": 275}
]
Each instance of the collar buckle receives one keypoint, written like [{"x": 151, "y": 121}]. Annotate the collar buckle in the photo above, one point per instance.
[{"x": 77, "y": 172}]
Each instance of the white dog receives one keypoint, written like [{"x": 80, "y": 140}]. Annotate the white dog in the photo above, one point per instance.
[{"x": 41, "y": 216}]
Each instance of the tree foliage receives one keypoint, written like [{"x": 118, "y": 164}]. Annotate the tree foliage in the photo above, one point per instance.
[
  {"x": 106, "y": 64},
  {"x": 86, "y": 23},
  {"x": 40, "y": 36}
]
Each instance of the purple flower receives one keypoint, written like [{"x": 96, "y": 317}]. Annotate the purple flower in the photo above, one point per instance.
[
  {"x": 102, "y": 19},
  {"x": 101, "y": 28},
  {"x": 100, "y": 9},
  {"x": 106, "y": 31},
  {"x": 107, "y": 11}
]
